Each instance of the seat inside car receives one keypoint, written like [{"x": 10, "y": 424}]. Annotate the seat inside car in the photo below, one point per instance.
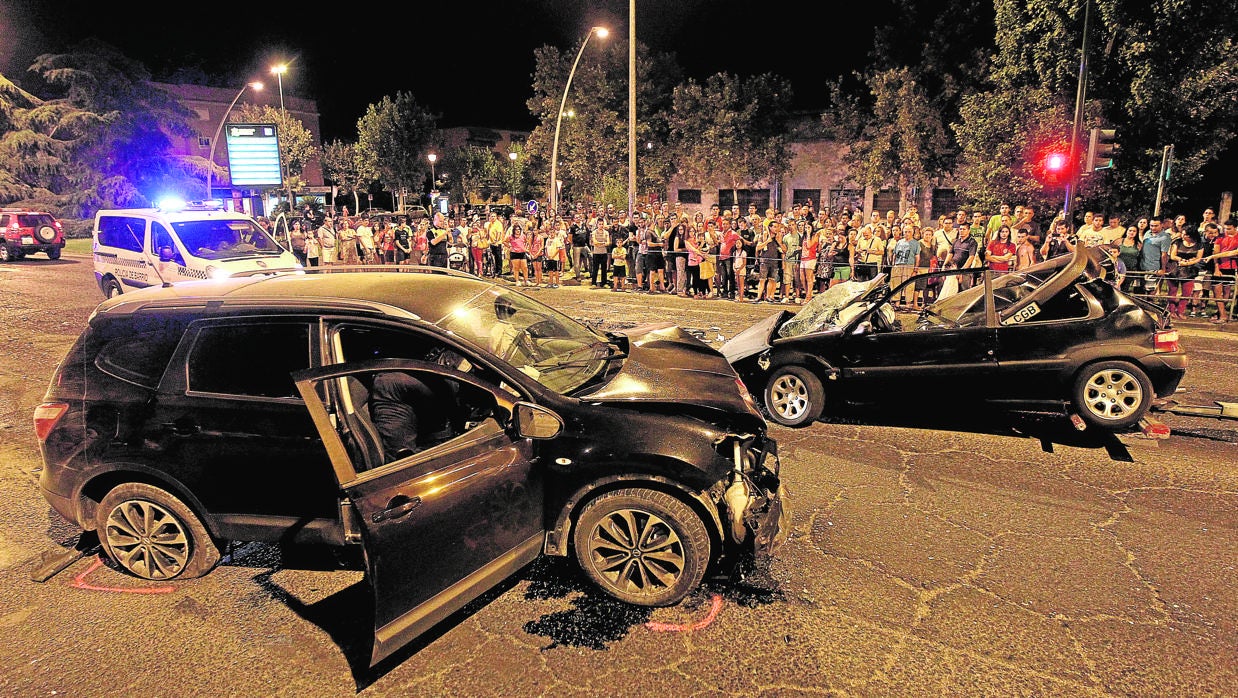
[{"x": 357, "y": 426}]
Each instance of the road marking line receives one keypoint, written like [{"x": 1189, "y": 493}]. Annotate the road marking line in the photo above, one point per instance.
[
  {"x": 715, "y": 606},
  {"x": 79, "y": 582}
]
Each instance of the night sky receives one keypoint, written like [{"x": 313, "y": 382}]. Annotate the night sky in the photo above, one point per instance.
[{"x": 470, "y": 62}]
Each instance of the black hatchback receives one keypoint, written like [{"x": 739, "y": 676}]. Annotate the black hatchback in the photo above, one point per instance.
[
  {"x": 1058, "y": 336},
  {"x": 452, "y": 428}
]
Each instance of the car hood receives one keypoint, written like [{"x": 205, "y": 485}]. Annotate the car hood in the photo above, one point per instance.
[
  {"x": 667, "y": 364},
  {"x": 753, "y": 340}
]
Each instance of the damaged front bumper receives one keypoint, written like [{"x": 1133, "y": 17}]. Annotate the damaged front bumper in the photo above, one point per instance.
[{"x": 754, "y": 506}]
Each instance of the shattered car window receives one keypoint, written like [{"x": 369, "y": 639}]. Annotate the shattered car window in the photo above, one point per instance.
[{"x": 836, "y": 306}]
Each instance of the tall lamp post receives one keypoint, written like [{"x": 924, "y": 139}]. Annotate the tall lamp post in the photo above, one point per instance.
[
  {"x": 512, "y": 156},
  {"x": 278, "y": 71},
  {"x": 554, "y": 150},
  {"x": 210, "y": 159}
]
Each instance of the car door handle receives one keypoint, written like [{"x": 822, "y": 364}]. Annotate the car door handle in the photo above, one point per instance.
[{"x": 396, "y": 508}]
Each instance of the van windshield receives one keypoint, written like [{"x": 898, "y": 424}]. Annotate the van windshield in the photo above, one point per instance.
[{"x": 225, "y": 239}]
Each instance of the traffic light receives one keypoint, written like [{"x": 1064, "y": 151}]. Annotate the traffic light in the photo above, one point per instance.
[
  {"x": 1101, "y": 149},
  {"x": 1054, "y": 166}
]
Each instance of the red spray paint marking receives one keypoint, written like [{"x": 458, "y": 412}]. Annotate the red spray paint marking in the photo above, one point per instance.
[
  {"x": 80, "y": 582},
  {"x": 715, "y": 606}
]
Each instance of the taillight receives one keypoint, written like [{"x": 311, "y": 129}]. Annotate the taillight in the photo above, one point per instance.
[
  {"x": 1165, "y": 340},
  {"x": 46, "y": 416}
]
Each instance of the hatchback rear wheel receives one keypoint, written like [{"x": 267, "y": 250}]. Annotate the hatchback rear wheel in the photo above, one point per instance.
[
  {"x": 153, "y": 535},
  {"x": 641, "y": 546},
  {"x": 1112, "y": 394}
]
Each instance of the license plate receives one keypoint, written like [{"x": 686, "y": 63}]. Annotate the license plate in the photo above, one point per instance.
[{"x": 27, "y": 240}]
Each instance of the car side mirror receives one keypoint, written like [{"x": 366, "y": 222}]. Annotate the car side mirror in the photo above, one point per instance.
[{"x": 535, "y": 422}]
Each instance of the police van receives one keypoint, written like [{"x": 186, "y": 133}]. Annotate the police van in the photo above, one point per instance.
[{"x": 139, "y": 247}]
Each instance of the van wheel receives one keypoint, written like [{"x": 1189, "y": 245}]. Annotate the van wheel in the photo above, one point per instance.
[
  {"x": 153, "y": 535},
  {"x": 111, "y": 288},
  {"x": 642, "y": 547}
]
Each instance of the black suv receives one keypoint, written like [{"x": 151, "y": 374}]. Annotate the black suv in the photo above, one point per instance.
[
  {"x": 453, "y": 427},
  {"x": 27, "y": 232}
]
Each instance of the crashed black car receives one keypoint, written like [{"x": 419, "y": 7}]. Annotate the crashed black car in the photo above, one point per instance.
[
  {"x": 1058, "y": 337},
  {"x": 258, "y": 409}
]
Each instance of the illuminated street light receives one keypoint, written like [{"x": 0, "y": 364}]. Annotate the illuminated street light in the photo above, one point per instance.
[
  {"x": 432, "y": 157},
  {"x": 278, "y": 71},
  {"x": 554, "y": 150},
  {"x": 210, "y": 159}
]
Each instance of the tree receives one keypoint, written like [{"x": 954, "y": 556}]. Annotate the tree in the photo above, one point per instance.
[
  {"x": 593, "y": 142},
  {"x": 904, "y": 139},
  {"x": 1160, "y": 72},
  {"x": 731, "y": 129},
  {"x": 477, "y": 169},
  {"x": 124, "y": 155},
  {"x": 350, "y": 172},
  {"x": 395, "y": 135}
]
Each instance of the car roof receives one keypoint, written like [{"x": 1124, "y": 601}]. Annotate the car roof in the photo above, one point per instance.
[
  {"x": 412, "y": 292},
  {"x": 175, "y": 216}
]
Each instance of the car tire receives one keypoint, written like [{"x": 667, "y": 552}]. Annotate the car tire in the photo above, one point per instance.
[
  {"x": 793, "y": 396},
  {"x": 53, "y": 253},
  {"x": 1112, "y": 394},
  {"x": 111, "y": 288},
  {"x": 6, "y": 254},
  {"x": 616, "y": 534},
  {"x": 153, "y": 535}
]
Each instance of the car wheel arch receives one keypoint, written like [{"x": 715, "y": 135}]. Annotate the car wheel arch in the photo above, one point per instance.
[
  {"x": 559, "y": 535},
  {"x": 92, "y": 492}
]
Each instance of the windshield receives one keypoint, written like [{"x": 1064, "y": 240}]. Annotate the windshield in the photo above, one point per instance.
[
  {"x": 835, "y": 307},
  {"x": 541, "y": 342},
  {"x": 225, "y": 238}
]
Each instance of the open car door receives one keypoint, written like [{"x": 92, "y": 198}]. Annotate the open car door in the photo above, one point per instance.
[{"x": 440, "y": 525}]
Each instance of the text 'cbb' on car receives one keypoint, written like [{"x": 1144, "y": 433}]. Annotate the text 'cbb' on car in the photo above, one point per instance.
[
  {"x": 1058, "y": 336},
  {"x": 275, "y": 408}
]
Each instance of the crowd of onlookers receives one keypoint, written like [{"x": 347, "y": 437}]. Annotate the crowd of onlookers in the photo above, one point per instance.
[{"x": 779, "y": 256}]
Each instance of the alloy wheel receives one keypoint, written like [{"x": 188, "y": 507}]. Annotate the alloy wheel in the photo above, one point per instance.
[
  {"x": 636, "y": 551},
  {"x": 789, "y": 396},
  {"x": 1113, "y": 394},
  {"x": 147, "y": 539}
]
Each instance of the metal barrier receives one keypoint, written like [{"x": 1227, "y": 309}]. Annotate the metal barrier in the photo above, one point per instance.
[{"x": 1156, "y": 288}]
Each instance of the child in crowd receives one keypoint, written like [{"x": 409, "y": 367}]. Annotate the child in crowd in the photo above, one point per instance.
[{"x": 618, "y": 265}]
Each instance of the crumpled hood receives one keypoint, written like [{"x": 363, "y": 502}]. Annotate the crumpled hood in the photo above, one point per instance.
[
  {"x": 667, "y": 364},
  {"x": 753, "y": 340}
]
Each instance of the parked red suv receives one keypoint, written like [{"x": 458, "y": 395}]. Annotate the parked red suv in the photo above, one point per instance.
[{"x": 26, "y": 232}]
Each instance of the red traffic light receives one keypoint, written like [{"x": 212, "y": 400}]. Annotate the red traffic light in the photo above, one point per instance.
[{"x": 1055, "y": 163}]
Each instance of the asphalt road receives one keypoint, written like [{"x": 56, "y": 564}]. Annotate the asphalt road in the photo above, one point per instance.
[{"x": 981, "y": 555}]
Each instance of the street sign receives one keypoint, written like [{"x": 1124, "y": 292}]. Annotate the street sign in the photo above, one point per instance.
[
  {"x": 253, "y": 155},
  {"x": 532, "y": 206}
]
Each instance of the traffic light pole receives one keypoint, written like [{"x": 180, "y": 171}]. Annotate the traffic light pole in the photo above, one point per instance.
[
  {"x": 1080, "y": 97},
  {"x": 1166, "y": 156}
]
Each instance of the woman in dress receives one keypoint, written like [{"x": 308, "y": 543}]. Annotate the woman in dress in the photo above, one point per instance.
[{"x": 347, "y": 241}]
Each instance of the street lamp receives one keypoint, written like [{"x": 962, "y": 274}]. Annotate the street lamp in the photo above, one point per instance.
[
  {"x": 512, "y": 156},
  {"x": 210, "y": 159},
  {"x": 554, "y": 150},
  {"x": 432, "y": 157},
  {"x": 278, "y": 71}
]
